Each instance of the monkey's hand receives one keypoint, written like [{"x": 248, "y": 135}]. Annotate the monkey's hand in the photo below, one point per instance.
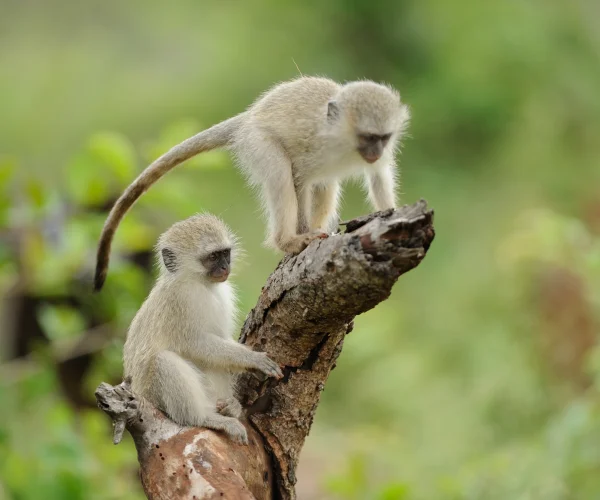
[
  {"x": 298, "y": 243},
  {"x": 229, "y": 407},
  {"x": 266, "y": 365}
]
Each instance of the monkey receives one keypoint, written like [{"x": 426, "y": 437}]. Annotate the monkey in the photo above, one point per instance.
[
  {"x": 179, "y": 352},
  {"x": 295, "y": 143}
]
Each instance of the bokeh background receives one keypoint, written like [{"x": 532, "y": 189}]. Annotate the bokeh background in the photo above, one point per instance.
[{"x": 477, "y": 379}]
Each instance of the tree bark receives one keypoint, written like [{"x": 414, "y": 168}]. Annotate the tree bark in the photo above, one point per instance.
[{"x": 302, "y": 316}]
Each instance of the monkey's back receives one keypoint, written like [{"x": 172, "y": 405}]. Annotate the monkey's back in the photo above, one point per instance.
[{"x": 292, "y": 111}]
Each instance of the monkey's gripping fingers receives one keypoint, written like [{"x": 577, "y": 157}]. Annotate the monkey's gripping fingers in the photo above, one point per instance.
[
  {"x": 229, "y": 407},
  {"x": 267, "y": 365}
]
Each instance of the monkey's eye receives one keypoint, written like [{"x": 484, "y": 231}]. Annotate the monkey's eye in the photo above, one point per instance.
[
  {"x": 213, "y": 256},
  {"x": 368, "y": 137},
  {"x": 386, "y": 137}
]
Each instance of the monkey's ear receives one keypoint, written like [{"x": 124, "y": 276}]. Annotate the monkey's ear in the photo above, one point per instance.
[
  {"x": 169, "y": 259},
  {"x": 333, "y": 110}
]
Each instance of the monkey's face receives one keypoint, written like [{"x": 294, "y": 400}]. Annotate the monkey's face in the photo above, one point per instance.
[
  {"x": 217, "y": 265},
  {"x": 371, "y": 146},
  {"x": 201, "y": 246}
]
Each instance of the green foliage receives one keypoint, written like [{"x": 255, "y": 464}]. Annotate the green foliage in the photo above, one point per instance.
[
  {"x": 69, "y": 454},
  {"x": 447, "y": 390},
  {"x": 61, "y": 322},
  {"x": 109, "y": 153},
  {"x": 354, "y": 484}
]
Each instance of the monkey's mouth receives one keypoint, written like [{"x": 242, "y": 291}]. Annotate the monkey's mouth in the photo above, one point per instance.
[
  {"x": 370, "y": 158},
  {"x": 219, "y": 277}
]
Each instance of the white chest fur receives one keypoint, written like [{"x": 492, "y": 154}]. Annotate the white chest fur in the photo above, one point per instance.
[{"x": 211, "y": 308}]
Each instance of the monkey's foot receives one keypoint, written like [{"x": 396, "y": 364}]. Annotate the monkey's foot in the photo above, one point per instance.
[
  {"x": 229, "y": 407},
  {"x": 232, "y": 427},
  {"x": 298, "y": 243},
  {"x": 236, "y": 432}
]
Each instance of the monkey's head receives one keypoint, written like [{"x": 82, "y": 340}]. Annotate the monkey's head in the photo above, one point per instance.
[
  {"x": 371, "y": 115},
  {"x": 201, "y": 246}
]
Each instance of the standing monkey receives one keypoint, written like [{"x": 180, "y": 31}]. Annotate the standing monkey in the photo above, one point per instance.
[
  {"x": 296, "y": 143},
  {"x": 179, "y": 351}
]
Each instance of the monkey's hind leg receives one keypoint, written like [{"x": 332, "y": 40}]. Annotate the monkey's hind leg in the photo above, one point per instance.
[
  {"x": 229, "y": 407},
  {"x": 289, "y": 212},
  {"x": 304, "y": 195},
  {"x": 181, "y": 393},
  {"x": 324, "y": 215},
  {"x": 270, "y": 168}
]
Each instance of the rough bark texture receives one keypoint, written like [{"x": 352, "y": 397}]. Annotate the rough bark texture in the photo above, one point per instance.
[{"x": 302, "y": 316}]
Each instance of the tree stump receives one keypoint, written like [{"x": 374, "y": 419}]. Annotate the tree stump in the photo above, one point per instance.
[{"x": 304, "y": 311}]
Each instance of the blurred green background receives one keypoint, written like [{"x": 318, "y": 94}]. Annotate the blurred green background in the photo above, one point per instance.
[{"x": 477, "y": 379}]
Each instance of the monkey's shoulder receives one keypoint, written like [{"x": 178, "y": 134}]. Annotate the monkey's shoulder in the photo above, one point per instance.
[
  {"x": 296, "y": 96},
  {"x": 301, "y": 86}
]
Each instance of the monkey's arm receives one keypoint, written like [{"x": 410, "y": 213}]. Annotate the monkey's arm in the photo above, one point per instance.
[
  {"x": 223, "y": 353},
  {"x": 382, "y": 187}
]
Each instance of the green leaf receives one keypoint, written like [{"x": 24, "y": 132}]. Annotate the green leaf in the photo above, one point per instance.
[
  {"x": 134, "y": 235},
  {"x": 353, "y": 484},
  {"x": 115, "y": 152},
  {"x": 7, "y": 171},
  {"x": 86, "y": 182},
  {"x": 394, "y": 491},
  {"x": 108, "y": 159},
  {"x": 8, "y": 168},
  {"x": 61, "y": 322},
  {"x": 36, "y": 193}
]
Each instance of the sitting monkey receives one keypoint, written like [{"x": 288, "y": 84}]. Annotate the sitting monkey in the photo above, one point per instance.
[{"x": 179, "y": 351}]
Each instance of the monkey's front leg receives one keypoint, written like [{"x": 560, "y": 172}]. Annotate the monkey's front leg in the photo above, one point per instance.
[
  {"x": 223, "y": 353},
  {"x": 229, "y": 407},
  {"x": 382, "y": 188}
]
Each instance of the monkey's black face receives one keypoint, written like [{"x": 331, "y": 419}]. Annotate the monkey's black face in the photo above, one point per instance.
[
  {"x": 217, "y": 265},
  {"x": 371, "y": 146}
]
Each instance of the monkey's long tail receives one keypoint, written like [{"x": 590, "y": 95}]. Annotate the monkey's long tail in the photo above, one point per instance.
[{"x": 217, "y": 136}]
